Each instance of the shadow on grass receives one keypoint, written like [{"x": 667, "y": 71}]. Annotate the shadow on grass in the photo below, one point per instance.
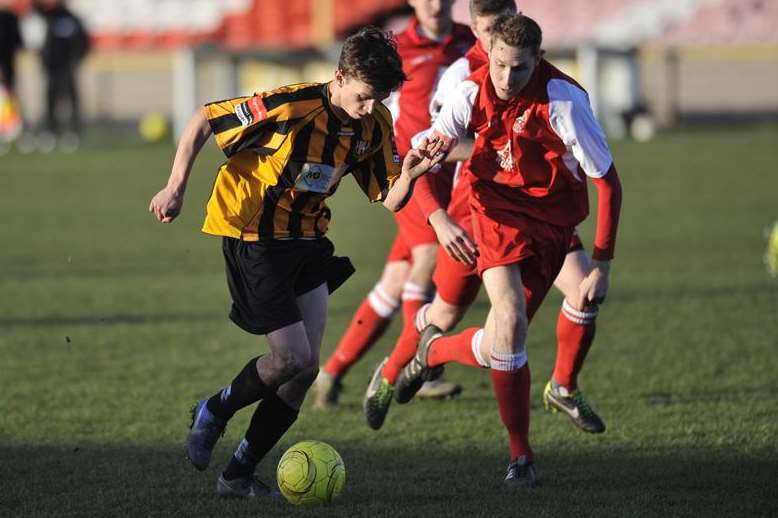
[
  {"x": 121, "y": 318},
  {"x": 142, "y": 481}
]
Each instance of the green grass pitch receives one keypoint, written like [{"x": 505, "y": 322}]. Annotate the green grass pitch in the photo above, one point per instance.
[{"x": 111, "y": 326}]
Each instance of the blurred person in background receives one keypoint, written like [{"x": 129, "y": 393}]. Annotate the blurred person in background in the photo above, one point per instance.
[
  {"x": 65, "y": 46},
  {"x": 10, "y": 43}
]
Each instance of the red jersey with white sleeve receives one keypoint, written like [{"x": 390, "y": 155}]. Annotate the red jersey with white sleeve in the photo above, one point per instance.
[
  {"x": 424, "y": 61},
  {"x": 532, "y": 153}
]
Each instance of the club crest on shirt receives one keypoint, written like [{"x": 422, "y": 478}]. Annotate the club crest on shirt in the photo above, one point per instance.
[
  {"x": 505, "y": 157},
  {"x": 361, "y": 147},
  {"x": 518, "y": 125}
]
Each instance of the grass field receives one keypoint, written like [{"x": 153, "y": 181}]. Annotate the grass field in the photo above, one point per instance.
[{"x": 111, "y": 326}]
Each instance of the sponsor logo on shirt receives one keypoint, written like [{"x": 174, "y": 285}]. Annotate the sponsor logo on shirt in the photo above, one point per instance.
[
  {"x": 318, "y": 177},
  {"x": 250, "y": 111}
]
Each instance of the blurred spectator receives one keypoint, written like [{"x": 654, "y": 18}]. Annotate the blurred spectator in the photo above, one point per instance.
[
  {"x": 64, "y": 47},
  {"x": 10, "y": 42}
]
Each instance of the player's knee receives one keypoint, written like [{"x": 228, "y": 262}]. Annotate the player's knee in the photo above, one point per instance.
[
  {"x": 512, "y": 322},
  {"x": 424, "y": 259},
  {"x": 425, "y": 254},
  {"x": 293, "y": 363},
  {"x": 393, "y": 278}
]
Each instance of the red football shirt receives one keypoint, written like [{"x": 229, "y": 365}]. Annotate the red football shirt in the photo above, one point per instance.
[
  {"x": 533, "y": 152},
  {"x": 424, "y": 61}
]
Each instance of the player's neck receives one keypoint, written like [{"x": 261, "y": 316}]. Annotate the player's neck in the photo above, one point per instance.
[
  {"x": 333, "y": 98},
  {"x": 421, "y": 31}
]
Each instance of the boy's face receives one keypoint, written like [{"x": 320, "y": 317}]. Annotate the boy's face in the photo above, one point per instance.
[
  {"x": 510, "y": 68},
  {"x": 481, "y": 25},
  {"x": 356, "y": 97},
  {"x": 434, "y": 15}
]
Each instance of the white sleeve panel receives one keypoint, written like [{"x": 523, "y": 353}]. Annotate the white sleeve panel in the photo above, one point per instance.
[
  {"x": 571, "y": 117},
  {"x": 454, "y": 74},
  {"x": 393, "y": 104},
  {"x": 454, "y": 117}
]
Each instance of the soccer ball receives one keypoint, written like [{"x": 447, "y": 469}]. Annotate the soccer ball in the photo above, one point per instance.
[{"x": 310, "y": 473}]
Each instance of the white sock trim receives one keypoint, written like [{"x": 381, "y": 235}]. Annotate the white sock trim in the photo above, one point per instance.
[
  {"x": 475, "y": 344},
  {"x": 578, "y": 317},
  {"x": 420, "y": 319},
  {"x": 508, "y": 362},
  {"x": 412, "y": 291},
  {"x": 381, "y": 302}
]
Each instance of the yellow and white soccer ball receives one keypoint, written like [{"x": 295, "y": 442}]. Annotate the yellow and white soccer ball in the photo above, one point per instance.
[{"x": 310, "y": 473}]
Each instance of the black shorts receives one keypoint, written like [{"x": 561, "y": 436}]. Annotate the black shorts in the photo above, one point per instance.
[{"x": 266, "y": 277}]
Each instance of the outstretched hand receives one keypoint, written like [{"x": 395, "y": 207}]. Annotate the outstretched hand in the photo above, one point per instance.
[{"x": 421, "y": 159}]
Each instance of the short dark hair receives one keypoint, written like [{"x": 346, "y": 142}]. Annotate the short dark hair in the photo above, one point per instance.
[
  {"x": 491, "y": 7},
  {"x": 517, "y": 30},
  {"x": 371, "y": 56}
]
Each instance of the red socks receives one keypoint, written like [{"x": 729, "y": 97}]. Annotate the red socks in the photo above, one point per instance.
[
  {"x": 460, "y": 348},
  {"x": 511, "y": 387},
  {"x": 575, "y": 333},
  {"x": 405, "y": 347},
  {"x": 368, "y": 325}
]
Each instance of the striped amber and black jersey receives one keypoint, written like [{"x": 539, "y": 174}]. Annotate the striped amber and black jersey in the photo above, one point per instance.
[{"x": 286, "y": 153}]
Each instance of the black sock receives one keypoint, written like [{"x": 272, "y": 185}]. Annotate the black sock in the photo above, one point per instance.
[
  {"x": 270, "y": 421},
  {"x": 242, "y": 463},
  {"x": 247, "y": 388}
]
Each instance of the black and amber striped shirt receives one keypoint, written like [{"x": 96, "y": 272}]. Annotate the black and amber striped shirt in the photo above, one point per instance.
[{"x": 286, "y": 153}]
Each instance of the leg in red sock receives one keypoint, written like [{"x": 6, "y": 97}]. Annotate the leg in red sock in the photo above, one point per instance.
[{"x": 575, "y": 334}]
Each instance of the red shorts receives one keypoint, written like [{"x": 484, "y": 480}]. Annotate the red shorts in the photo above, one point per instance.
[
  {"x": 400, "y": 251},
  {"x": 456, "y": 283},
  {"x": 412, "y": 226},
  {"x": 505, "y": 238}
]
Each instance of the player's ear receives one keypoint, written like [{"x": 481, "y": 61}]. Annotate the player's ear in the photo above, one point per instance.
[{"x": 339, "y": 77}]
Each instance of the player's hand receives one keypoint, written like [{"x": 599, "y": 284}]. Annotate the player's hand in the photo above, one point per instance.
[
  {"x": 166, "y": 204},
  {"x": 421, "y": 159},
  {"x": 594, "y": 287},
  {"x": 454, "y": 240}
]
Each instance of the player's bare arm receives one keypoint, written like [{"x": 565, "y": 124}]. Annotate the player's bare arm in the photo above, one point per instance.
[
  {"x": 416, "y": 163},
  {"x": 166, "y": 204}
]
